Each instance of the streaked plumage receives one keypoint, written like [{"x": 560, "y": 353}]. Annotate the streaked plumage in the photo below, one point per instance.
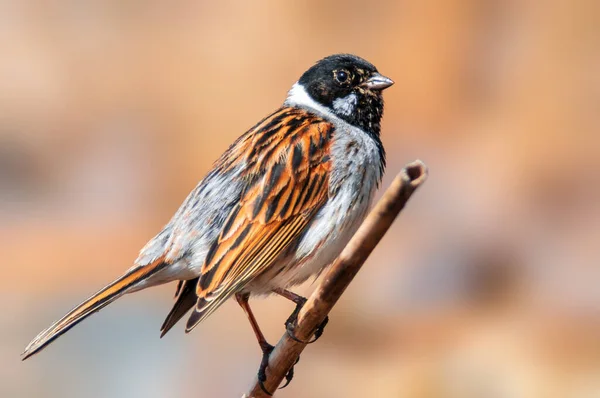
[{"x": 277, "y": 207}]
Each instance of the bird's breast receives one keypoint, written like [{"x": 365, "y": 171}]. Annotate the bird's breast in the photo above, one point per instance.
[{"x": 355, "y": 175}]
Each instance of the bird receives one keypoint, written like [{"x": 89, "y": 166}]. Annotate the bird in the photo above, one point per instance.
[{"x": 277, "y": 207}]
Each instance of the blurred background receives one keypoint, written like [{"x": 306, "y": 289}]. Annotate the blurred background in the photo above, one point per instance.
[{"x": 488, "y": 284}]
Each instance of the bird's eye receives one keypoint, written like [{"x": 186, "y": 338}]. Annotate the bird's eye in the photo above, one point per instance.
[{"x": 341, "y": 76}]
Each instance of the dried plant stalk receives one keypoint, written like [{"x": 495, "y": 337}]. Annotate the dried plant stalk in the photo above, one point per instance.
[{"x": 340, "y": 274}]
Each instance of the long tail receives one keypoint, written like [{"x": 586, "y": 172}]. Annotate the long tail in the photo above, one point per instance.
[{"x": 95, "y": 303}]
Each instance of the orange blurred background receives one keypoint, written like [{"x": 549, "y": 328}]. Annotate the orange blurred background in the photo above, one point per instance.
[{"x": 488, "y": 284}]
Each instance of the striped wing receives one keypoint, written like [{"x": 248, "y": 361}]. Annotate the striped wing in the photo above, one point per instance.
[{"x": 287, "y": 180}]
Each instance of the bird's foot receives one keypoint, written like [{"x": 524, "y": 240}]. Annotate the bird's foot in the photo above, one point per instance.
[
  {"x": 264, "y": 363},
  {"x": 293, "y": 318},
  {"x": 292, "y": 321}
]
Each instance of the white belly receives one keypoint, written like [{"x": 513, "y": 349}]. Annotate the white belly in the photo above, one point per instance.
[{"x": 335, "y": 224}]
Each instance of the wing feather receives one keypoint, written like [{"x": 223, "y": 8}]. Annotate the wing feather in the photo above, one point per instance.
[{"x": 287, "y": 182}]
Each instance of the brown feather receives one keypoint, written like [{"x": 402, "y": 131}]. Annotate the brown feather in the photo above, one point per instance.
[{"x": 287, "y": 174}]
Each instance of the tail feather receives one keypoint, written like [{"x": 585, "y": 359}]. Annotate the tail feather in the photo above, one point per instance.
[
  {"x": 95, "y": 303},
  {"x": 186, "y": 299}
]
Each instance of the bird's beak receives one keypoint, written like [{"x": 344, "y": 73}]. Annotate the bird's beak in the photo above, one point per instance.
[{"x": 377, "y": 82}]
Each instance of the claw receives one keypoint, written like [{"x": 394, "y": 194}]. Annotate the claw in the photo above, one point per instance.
[
  {"x": 321, "y": 328},
  {"x": 289, "y": 375},
  {"x": 291, "y": 322},
  {"x": 264, "y": 363},
  {"x": 290, "y": 326}
]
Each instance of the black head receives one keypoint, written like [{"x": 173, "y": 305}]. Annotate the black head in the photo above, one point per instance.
[{"x": 349, "y": 87}]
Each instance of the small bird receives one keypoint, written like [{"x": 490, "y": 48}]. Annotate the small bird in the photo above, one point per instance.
[{"x": 277, "y": 207}]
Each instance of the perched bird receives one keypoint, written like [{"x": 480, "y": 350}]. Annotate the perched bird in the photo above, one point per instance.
[{"x": 277, "y": 207}]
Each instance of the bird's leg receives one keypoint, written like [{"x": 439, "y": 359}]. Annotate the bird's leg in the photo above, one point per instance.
[
  {"x": 296, "y": 299},
  {"x": 291, "y": 322},
  {"x": 265, "y": 347}
]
